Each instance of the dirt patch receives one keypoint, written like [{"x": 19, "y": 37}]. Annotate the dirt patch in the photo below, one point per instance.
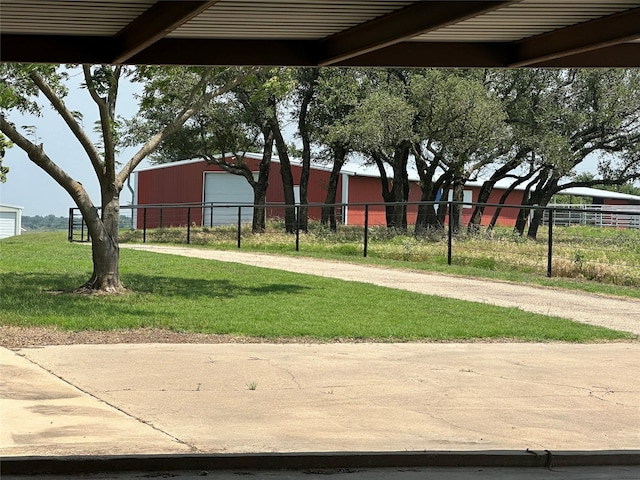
[{"x": 33, "y": 337}]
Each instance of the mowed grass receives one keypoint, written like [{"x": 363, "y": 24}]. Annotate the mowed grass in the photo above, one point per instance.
[
  {"x": 591, "y": 259},
  {"x": 193, "y": 295}
]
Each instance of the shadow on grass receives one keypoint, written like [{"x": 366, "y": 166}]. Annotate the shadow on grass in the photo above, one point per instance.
[
  {"x": 40, "y": 296},
  {"x": 193, "y": 288}
]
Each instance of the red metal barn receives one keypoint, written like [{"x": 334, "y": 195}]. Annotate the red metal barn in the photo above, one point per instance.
[{"x": 196, "y": 182}]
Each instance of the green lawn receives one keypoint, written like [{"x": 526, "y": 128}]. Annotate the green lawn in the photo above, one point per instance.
[
  {"x": 193, "y": 295},
  {"x": 595, "y": 260}
]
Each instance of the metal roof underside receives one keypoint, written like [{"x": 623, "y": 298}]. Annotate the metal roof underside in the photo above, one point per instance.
[{"x": 524, "y": 33}]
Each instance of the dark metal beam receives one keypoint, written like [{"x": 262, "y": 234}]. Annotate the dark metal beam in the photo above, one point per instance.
[
  {"x": 155, "y": 23},
  {"x": 55, "y": 49},
  {"x": 174, "y": 51},
  {"x": 435, "y": 54},
  {"x": 624, "y": 55},
  {"x": 187, "y": 51},
  {"x": 583, "y": 37},
  {"x": 403, "y": 24}
]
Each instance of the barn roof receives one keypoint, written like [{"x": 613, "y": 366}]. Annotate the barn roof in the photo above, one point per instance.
[
  {"x": 477, "y": 33},
  {"x": 594, "y": 192},
  {"x": 576, "y": 191},
  {"x": 356, "y": 169}
]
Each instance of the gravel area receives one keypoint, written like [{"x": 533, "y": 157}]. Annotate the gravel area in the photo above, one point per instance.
[{"x": 32, "y": 337}]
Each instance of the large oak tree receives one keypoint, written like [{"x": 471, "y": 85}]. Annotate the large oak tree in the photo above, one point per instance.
[{"x": 20, "y": 90}]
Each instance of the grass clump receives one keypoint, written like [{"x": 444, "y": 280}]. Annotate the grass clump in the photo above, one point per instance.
[{"x": 202, "y": 296}]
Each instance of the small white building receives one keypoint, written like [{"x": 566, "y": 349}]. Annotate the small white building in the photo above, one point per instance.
[{"x": 10, "y": 220}]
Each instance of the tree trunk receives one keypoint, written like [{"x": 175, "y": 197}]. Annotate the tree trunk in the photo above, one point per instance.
[
  {"x": 542, "y": 201},
  {"x": 104, "y": 244},
  {"x": 387, "y": 193},
  {"x": 536, "y": 219},
  {"x": 475, "y": 222},
  {"x": 458, "y": 196},
  {"x": 303, "y": 211},
  {"x": 400, "y": 188},
  {"x": 529, "y": 198},
  {"x": 427, "y": 219},
  {"x": 305, "y": 133},
  {"x": 523, "y": 214},
  {"x": 259, "y": 222},
  {"x": 396, "y": 212},
  {"x": 443, "y": 206},
  {"x": 287, "y": 179},
  {"x": 329, "y": 211},
  {"x": 502, "y": 201}
]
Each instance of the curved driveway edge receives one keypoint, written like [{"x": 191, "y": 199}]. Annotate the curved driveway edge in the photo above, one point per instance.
[{"x": 610, "y": 312}]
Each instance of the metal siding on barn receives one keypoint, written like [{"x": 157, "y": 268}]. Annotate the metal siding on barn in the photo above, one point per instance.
[
  {"x": 8, "y": 224},
  {"x": 227, "y": 189}
]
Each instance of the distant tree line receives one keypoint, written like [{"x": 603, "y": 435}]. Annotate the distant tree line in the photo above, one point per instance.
[
  {"x": 51, "y": 223},
  {"x": 48, "y": 223}
]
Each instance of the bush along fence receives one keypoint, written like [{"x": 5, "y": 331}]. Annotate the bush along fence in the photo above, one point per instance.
[{"x": 598, "y": 243}]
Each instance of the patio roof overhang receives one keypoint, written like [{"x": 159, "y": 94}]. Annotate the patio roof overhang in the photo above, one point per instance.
[{"x": 403, "y": 33}]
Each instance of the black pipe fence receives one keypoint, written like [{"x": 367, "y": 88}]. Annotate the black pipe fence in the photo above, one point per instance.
[{"x": 371, "y": 220}]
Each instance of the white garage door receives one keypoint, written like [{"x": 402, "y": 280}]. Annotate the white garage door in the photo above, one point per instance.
[
  {"x": 7, "y": 224},
  {"x": 226, "y": 189}
]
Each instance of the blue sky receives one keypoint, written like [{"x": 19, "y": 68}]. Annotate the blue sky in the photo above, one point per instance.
[{"x": 29, "y": 186}]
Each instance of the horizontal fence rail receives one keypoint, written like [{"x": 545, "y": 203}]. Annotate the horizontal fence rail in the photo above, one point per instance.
[{"x": 569, "y": 241}]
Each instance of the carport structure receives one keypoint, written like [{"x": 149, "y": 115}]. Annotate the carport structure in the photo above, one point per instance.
[
  {"x": 372, "y": 33},
  {"x": 524, "y": 33}
]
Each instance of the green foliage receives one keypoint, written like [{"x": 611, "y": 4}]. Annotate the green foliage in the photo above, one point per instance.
[
  {"x": 4, "y": 145},
  {"x": 180, "y": 294},
  {"x": 382, "y": 121},
  {"x": 457, "y": 113},
  {"x": 219, "y": 127},
  {"x": 17, "y": 90}
]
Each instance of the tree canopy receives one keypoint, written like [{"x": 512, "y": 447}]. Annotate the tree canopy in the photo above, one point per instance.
[{"x": 20, "y": 91}]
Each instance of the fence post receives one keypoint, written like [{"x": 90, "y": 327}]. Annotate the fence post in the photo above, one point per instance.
[
  {"x": 211, "y": 214},
  {"x": 550, "y": 245},
  {"x": 144, "y": 225},
  {"x": 160, "y": 217},
  {"x": 188, "y": 225},
  {"x": 297, "y": 228},
  {"x": 70, "y": 232},
  {"x": 450, "y": 234},
  {"x": 366, "y": 229},
  {"x": 239, "y": 224}
]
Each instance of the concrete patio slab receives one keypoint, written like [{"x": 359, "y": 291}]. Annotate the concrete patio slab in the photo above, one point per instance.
[{"x": 231, "y": 398}]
